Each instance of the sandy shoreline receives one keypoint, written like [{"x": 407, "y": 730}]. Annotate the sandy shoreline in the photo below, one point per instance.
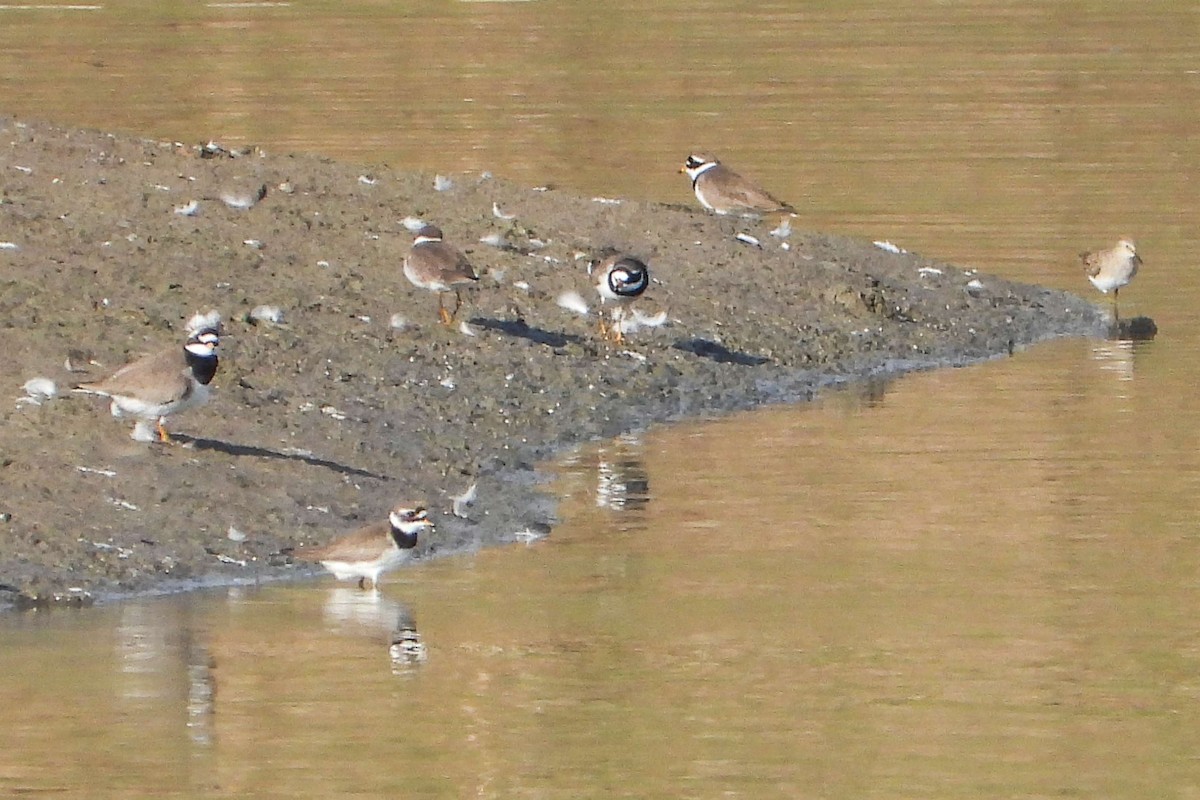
[{"x": 320, "y": 423}]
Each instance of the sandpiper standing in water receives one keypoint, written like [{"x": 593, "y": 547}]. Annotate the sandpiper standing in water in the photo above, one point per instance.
[{"x": 1112, "y": 268}]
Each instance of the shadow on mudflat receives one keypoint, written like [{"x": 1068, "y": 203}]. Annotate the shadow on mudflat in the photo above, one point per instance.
[
  {"x": 520, "y": 329},
  {"x": 706, "y": 348},
  {"x": 241, "y": 450}
]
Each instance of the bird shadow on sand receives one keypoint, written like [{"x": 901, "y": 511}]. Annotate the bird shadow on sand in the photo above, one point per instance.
[
  {"x": 523, "y": 330},
  {"x": 706, "y": 348},
  {"x": 249, "y": 450}
]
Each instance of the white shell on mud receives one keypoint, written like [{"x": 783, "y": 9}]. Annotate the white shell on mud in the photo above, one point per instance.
[
  {"x": 572, "y": 301},
  {"x": 270, "y": 314},
  {"x": 460, "y": 502}
]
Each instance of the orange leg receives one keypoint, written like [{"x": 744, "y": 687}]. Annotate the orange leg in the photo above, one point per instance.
[
  {"x": 618, "y": 335},
  {"x": 163, "y": 436}
]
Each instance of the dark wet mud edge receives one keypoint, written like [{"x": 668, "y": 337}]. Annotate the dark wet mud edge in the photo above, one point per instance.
[{"x": 321, "y": 423}]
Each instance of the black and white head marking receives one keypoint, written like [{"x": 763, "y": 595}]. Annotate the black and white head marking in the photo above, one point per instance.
[
  {"x": 200, "y": 352},
  {"x": 203, "y": 344},
  {"x": 429, "y": 233},
  {"x": 628, "y": 278},
  {"x": 697, "y": 165},
  {"x": 408, "y": 522}
]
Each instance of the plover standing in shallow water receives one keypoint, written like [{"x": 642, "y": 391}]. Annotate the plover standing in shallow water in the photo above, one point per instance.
[
  {"x": 372, "y": 550},
  {"x": 1110, "y": 269},
  {"x": 164, "y": 383},
  {"x": 723, "y": 191},
  {"x": 434, "y": 265}
]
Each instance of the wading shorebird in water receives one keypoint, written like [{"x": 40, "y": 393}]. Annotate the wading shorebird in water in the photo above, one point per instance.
[
  {"x": 372, "y": 550},
  {"x": 1110, "y": 269}
]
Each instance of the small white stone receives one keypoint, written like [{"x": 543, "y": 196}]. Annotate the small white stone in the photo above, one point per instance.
[
  {"x": 460, "y": 503},
  {"x": 239, "y": 201},
  {"x": 272, "y": 315},
  {"x": 331, "y": 411}
]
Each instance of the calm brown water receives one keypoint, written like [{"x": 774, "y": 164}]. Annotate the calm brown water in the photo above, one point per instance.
[{"x": 972, "y": 583}]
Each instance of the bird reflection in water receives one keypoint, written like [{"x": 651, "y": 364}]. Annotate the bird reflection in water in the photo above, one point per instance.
[
  {"x": 622, "y": 482},
  {"x": 164, "y": 661},
  {"x": 353, "y": 612}
]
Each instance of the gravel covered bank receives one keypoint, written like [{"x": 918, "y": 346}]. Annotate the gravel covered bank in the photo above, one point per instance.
[{"x": 359, "y": 397}]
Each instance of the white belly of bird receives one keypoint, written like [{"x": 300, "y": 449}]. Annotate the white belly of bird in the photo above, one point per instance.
[
  {"x": 433, "y": 285},
  {"x": 1106, "y": 283},
  {"x": 705, "y": 203},
  {"x": 607, "y": 295},
  {"x": 122, "y": 406}
]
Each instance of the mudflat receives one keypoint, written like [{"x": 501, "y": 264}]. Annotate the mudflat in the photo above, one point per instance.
[{"x": 353, "y": 396}]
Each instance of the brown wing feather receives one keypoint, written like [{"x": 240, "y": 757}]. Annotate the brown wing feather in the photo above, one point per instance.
[
  {"x": 1093, "y": 262},
  {"x": 360, "y": 545},
  {"x": 158, "y": 378},
  {"x": 451, "y": 265},
  {"x": 743, "y": 192}
]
